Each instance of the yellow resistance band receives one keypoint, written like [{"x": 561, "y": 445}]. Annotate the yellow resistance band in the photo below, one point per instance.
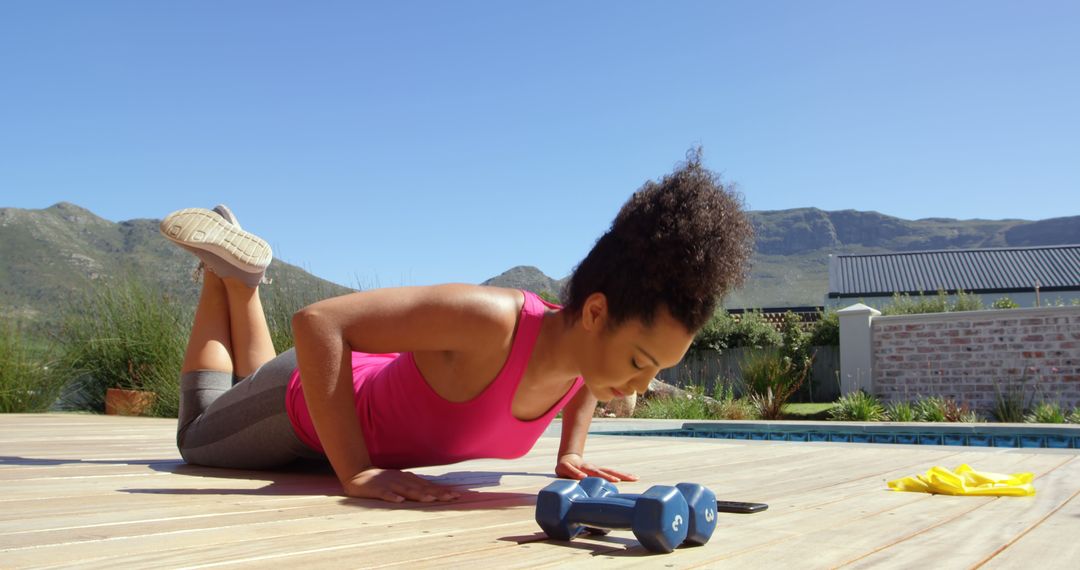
[{"x": 967, "y": 481}]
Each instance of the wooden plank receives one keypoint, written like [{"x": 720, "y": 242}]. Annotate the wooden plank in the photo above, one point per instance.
[
  {"x": 110, "y": 491},
  {"x": 1051, "y": 541},
  {"x": 983, "y": 531},
  {"x": 829, "y": 505}
]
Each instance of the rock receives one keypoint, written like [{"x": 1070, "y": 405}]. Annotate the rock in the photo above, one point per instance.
[{"x": 624, "y": 407}]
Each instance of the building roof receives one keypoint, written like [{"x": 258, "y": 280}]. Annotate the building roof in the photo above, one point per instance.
[{"x": 1052, "y": 268}]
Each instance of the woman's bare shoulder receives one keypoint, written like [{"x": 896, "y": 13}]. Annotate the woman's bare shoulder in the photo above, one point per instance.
[
  {"x": 498, "y": 305},
  {"x": 483, "y": 317}
]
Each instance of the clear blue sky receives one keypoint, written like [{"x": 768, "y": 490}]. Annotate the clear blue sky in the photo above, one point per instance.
[{"x": 421, "y": 142}]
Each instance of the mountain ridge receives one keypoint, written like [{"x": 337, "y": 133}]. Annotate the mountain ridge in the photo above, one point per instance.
[{"x": 51, "y": 254}]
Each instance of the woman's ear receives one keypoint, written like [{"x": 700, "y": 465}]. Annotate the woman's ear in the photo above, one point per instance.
[{"x": 594, "y": 312}]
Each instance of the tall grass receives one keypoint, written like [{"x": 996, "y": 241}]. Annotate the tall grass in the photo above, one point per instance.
[
  {"x": 28, "y": 381},
  {"x": 771, "y": 379},
  {"x": 281, "y": 299},
  {"x": 858, "y": 406},
  {"x": 689, "y": 406},
  {"x": 694, "y": 405},
  {"x": 1012, "y": 401},
  {"x": 125, "y": 334}
]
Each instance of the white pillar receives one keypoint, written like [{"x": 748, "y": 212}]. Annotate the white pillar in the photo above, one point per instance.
[{"x": 856, "y": 349}]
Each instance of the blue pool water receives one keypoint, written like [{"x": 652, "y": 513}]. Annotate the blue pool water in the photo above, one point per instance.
[{"x": 973, "y": 435}]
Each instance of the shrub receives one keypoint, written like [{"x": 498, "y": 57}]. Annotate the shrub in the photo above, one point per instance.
[
  {"x": 1009, "y": 403},
  {"x": 1074, "y": 417},
  {"x": 724, "y": 331},
  {"x": 1047, "y": 413},
  {"x": 938, "y": 409},
  {"x": 728, "y": 407},
  {"x": 826, "y": 331},
  {"x": 690, "y": 406},
  {"x": 930, "y": 409},
  {"x": 1005, "y": 303},
  {"x": 904, "y": 304},
  {"x": 549, "y": 296},
  {"x": 900, "y": 412},
  {"x": 771, "y": 379},
  {"x": 124, "y": 334},
  {"x": 956, "y": 412},
  {"x": 966, "y": 302},
  {"x": 27, "y": 381},
  {"x": 795, "y": 343},
  {"x": 857, "y": 406},
  {"x": 281, "y": 299}
]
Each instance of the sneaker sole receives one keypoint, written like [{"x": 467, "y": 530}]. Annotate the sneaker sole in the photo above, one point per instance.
[
  {"x": 205, "y": 230},
  {"x": 227, "y": 214}
]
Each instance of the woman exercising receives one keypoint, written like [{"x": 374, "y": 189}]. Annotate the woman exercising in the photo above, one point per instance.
[{"x": 390, "y": 379}]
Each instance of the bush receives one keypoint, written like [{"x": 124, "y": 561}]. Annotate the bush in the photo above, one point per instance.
[
  {"x": 281, "y": 300},
  {"x": 966, "y": 302},
  {"x": 694, "y": 405},
  {"x": 126, "y": 335},
  {"x": 1047, "y": 413},
  {"x": 691, "y": 406},
  {"x": 728, "y": 407},
  {"x": 771, "y": 379},
  {"x": 796, "y": 348},
  {"x": 1005, "y": 303},
  {"x": 1074, "y": 417},
  {"x": 857, "y": 407},
  {"x": 901, "y": 412},
  {"x": 904, "y": 304},
  {"x": 1009, "y": 402},
  {"x": 27, "y": 381},
  {"x": 826, "y": 331},
  {"x": 938, "y": 409},
  {"x": 930, "y": 409},
  {"x": 550, "y": 297},
  {"x": 724, "y": 331}
]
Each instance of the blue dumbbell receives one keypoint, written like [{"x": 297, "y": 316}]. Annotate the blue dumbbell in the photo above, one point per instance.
[
  {"x": 658, "y": 517},
  {"x": 701, "y": 502}
]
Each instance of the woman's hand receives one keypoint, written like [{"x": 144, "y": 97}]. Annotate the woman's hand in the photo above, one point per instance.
[
  {"x": 573, "y": 466},
  {"x": 396, "y": 486}
]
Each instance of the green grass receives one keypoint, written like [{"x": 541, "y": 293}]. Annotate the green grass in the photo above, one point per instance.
[
  {"x": 808, "y": 411},
  {"x": 126, "y": 334},
  {"x": 28, "y": 381}
]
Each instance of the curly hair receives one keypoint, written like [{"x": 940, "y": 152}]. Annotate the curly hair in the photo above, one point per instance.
[{"x": 680, "y": 243}]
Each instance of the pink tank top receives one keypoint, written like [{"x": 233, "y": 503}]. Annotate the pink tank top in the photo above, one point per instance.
[{"x": 406, "y": 424}]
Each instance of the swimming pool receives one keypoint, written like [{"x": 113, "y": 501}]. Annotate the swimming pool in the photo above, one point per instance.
[{"x": 973, "y": 435}]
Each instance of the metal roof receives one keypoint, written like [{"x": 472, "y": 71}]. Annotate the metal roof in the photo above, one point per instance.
[{"x": 1054, "y": 268}]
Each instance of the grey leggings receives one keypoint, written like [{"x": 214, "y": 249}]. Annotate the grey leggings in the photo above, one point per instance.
[{"x": 243, "y": 426}]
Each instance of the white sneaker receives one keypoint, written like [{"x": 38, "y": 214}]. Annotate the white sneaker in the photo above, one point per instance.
[
  {"x": 226, "y": 213},
  {"x": 225, "y": 248}
]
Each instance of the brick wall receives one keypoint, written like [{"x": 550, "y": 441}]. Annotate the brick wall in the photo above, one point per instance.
[{"x": 962, "y": 355}]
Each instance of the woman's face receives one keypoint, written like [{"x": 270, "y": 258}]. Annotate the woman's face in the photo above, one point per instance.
[{"x": 623, "y": 360}]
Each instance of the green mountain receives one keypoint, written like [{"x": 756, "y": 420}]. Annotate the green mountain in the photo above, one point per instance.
[
  {"x": 49, "y": 257},
  {"x": 791, "y": 265}
]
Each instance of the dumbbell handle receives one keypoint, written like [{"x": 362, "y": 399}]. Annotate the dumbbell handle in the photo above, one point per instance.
[{"x": 602, "y": 512}]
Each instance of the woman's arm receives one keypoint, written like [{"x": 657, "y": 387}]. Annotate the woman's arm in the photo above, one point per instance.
[
  {"x": 577, "y": 417},
  {"x": 447, "y": 318}
]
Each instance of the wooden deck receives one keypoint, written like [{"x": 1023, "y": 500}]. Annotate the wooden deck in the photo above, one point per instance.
[{"x": 108, "y": 492}]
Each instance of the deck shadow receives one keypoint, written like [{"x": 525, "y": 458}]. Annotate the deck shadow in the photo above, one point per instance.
[
  {"x": 318, "y": 479},
  {"x": 156, "y": 464},
  {"x": 614, "y": 545}
]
